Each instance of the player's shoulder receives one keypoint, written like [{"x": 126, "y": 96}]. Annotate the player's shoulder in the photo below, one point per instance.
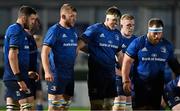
[
  {"x": 140, "y": 39},
  {"x": 14, "y": 28},
  {"x": 95, "y": 26},
  {"x": 167, "y": 43},
  {"x": 53, "y": 29}
]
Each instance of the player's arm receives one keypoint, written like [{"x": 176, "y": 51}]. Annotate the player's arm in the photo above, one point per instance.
[
  {"x": 126, "y": 67},
  {"x": 13, "y": 61},
  {"x": 45, "y": 62},
  {"x": 174, "y": 65},
  {"x": 119, "y": 59},
  {"x": 82, "y": 45}
]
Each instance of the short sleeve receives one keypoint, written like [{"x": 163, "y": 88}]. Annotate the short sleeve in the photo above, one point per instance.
[
  {"x": 50, "y": 38},
  {"x": 14, "y": 37},
  {"x": 89, "y": 33},
  {"x": 132, "y": 49}
]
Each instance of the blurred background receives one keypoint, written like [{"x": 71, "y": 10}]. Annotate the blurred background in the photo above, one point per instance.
[{"x": 90, "y": 12}]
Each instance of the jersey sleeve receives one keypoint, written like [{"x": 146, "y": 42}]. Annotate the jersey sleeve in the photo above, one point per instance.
[
  {"x": 50, "y": 38},
  {"x": 173, "y": 61},
  {"x": 14, "y": 39},
  {"x": 89, "y": 33},
  {"x": 132, "y": 49}
]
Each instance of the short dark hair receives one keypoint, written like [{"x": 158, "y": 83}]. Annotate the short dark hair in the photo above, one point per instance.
[
  {"x": 155, "y": 21},
  {"x": 113, "y": 11},
  {"x": 26, "y": 11}
]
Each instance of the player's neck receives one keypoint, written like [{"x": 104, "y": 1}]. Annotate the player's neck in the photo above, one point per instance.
[
  {"x": 63, "y": 24},
  {"x": 19, "y": 21},
  {"x": 125, "y": 35}
]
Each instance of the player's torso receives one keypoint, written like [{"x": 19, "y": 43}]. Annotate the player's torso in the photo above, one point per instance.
[
  {"x": 152, "y": 59},
  {"x": 23, "y": 50},
  {"x": 105, "y": 44}
]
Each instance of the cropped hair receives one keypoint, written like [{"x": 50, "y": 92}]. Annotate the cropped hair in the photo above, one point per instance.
[
  {"x": 127, "y": 17},
  {"x": 26, "y": 11},
  {"x": 67, "y": 7},
  {"x": 155, "y": 21},
  {"x": 113, "y": 11}
]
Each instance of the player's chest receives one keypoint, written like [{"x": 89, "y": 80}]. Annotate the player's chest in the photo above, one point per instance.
[
  {"x": 107, "y": 38},
  {"x": 153, "y": 53}
]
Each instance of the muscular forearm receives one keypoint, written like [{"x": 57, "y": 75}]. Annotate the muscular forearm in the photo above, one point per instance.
[
  {"x": 45, "y": 59},
  {"x": 13, "y": 60},
  {"x": 126, "y": 67},
  {"x": 81, "y": 46}
]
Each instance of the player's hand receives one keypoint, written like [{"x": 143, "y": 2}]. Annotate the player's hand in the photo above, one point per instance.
[
  {"x": 23, "y": 86},
  {"x": 49, "y": 77},
  {"x": 33, "y": 75},
  {"x": 127, "y": 87}
]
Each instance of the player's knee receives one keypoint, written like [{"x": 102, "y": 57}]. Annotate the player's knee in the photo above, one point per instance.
[
  {"x": 96, "y": 104},
  {"x": 26, "y": 106},
  {"x": 12, "y": 107},
  {"x": 108, "y": 103}
]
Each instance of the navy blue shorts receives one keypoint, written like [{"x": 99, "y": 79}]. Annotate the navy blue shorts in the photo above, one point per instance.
[
  {"x": 61, "y": 86},
  {"x": 147, "y": 93},
  {"x": 12, "y": 90},
  {"x": 172, "y": 93},
  {"x": 102, "y": 88}
]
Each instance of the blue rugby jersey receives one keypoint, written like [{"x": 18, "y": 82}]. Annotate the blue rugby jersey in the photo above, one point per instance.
[
  {"x": 16, "y": 37},
  {"x": 33, "y": 53},
  {"x": 103, "y": 44},
  {"x": 150, "y": 60},
  {"x": 126, "y": 42},
  {"x": 63, "y": 43}
]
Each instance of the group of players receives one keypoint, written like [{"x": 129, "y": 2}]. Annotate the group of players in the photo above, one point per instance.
[{"x": 138, "y": 62}]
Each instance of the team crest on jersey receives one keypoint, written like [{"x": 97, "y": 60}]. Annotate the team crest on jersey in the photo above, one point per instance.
[
  {"x": 18, "y": 93},
  {"x": 117, "y": 37},
  {"x": 163, "y": 50},
  {"x": 144, "y": 49},
  {"x": 123, "y": 46},
  {"x": 25, "y": 38},
  {"x": 53, "y": 88},
  {"x": 153, "y": 55},
  {"x": 102, "y": 35},
  {"x": 64, "y": 35},
  {"x": 71, "y": 40},
  {"x": 110, "y": 42}
]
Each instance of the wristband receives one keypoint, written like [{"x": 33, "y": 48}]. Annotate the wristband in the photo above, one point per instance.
[{"x": 18, "y": 77}]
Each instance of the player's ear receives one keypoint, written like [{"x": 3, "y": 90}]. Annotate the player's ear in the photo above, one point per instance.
[
  {"x": 24, "y": 19},
  {"x": 63, "y": 16},
  {"x": 121, "y": 25}
]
